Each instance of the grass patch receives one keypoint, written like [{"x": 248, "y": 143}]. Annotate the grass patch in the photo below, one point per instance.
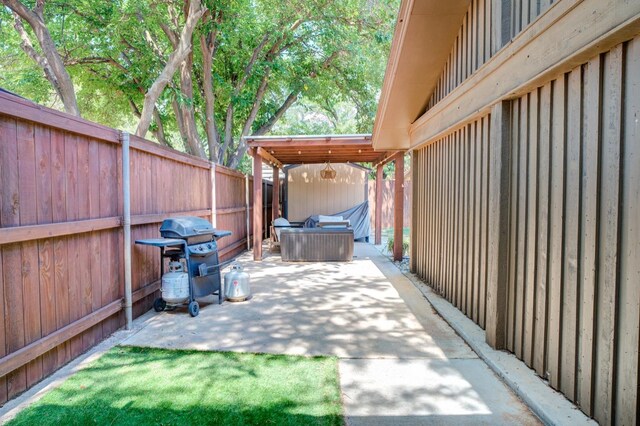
[
  {"x": 143, "y": 386},
  {"x": 388, "y": 232}
]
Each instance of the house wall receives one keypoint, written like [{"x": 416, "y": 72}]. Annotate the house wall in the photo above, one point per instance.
[
  {"x": 481, "y": 36},
  {"x": 308, "y": 194},
  {"x": 450, "y": 211},
  {"x": 565, "y": 298}
]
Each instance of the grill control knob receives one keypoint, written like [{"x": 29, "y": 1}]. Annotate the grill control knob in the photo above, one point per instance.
[{"x": 209, "y": 246}]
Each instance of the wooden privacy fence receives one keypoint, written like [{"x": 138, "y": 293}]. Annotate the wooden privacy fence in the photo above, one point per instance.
[
  {"x": 387, "y": 202},
  {"x": 61, "y": 231}
]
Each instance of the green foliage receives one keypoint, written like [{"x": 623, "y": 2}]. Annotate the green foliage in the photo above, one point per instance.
[
  {"x": 329, "y": 55},
  {"x": 144, "y": 386},
  {"x": 405, "y": 246}
]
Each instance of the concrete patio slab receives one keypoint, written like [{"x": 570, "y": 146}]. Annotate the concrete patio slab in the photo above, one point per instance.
[
  {"x": 429, "y": 391},
  {"x": 349, "y": 310},
  {"x": 399, "y": 362}
]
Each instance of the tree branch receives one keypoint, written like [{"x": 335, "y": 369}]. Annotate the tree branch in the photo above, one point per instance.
[
  {"x": 196, "y": 10},
  {"x": 61, "y": 80}
]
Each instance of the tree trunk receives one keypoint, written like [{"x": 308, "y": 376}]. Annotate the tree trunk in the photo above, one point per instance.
[
  {"x": 61, "y": 80},
  {"x": 207, "y": 45},
  {"x": 196, "y": 10},
  {"x": 186, "y": 108}
]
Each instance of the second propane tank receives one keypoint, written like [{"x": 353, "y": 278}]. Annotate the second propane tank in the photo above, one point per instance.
[{"x": 236, "y": 284}]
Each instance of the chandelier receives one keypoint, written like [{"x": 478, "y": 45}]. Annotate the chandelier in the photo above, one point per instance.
[{"x": 328, "y": 172}]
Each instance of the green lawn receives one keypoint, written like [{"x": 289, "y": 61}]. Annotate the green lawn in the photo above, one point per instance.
[
  {"x": 388, "y": 232},
  {"x": 142, "y": 386}
]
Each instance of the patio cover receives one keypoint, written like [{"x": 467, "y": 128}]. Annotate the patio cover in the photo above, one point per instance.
[{"x": 279, "y": 151}]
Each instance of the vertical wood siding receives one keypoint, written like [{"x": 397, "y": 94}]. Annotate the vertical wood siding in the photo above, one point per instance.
[
  {"x": 573, "y": 291},
  {"x": 576, "y": 232},
  {"x": 451, "y": 208},
  {"x": 473, "y": 45}
]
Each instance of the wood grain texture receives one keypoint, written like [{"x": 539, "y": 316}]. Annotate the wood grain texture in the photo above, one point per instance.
[
  {"x": 556, "y": 229},
  {"x": 626, "y": 404},
  {"x": 542, "y": 248},
  {"x": 60, "y": 243},
  {"x": 588, "y": 225},
  {"x": 608, "y": 234}
]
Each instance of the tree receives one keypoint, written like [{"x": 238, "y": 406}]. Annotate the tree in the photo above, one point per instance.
[
  {"x": 179, "y": 57},
  {"x": 48, "y": 59},
  {"x": 201, "y": 80}
]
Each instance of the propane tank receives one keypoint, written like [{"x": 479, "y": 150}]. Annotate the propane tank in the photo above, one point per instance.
[
  {"x": 236, "y": 284},
  {"x": 175, "y": 284}
]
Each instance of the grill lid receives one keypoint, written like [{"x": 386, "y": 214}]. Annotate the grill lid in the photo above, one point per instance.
[{"x": 185, "y": 227}]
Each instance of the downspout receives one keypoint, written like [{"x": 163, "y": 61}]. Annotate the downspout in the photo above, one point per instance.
[{"x": 126, "y": 221}]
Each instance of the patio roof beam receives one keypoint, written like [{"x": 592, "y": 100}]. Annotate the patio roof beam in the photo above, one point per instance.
[
  {"x": 257, "y": 205},
  {"x": 386, "y": 158},
  {"x": 269, "y": 158},
  {"x": 261, "y": 140}
]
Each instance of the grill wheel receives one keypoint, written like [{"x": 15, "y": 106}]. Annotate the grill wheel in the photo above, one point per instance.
[
  {"x": 159, "y": 304},
  {"x": 194, "y": 309}
]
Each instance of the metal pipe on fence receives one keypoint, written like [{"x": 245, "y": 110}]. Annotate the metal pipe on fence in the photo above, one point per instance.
[
  {"x": 246, "y": 192},
  {"x": 126, "y": 220},
  {"x": 214, "y": 214}
]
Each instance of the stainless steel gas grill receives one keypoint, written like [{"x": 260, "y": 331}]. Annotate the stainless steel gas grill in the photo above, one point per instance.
[{"x": 190, "y": 245}]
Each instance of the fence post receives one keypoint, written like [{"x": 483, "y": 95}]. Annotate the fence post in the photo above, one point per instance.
[
  {"x": 214, "y": 213},
  {"x": 126, "y": 220},
  {"x": 498, "y": 232}
]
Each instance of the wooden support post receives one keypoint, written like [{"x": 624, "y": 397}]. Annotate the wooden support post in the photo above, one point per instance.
[
  {"x": 398, "y": 207},
  {"x": 275, "y": 201},
  {"x": 378, "y": 211},
  {"x": 499, "y": 199},
  {"x": 257, "y": 206}
]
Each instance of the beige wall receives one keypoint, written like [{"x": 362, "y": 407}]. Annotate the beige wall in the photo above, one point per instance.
[{"x": 308, "y": 194}]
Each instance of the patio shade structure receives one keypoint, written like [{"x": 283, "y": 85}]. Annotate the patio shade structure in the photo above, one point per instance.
[{"x": 279, "y": 151}]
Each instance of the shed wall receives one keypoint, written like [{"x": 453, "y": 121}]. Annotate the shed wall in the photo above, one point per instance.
[{"x": 308, "y": 194}]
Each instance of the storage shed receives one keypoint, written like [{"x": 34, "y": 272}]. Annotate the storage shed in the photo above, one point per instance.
[{"x": 306, "y": 193}]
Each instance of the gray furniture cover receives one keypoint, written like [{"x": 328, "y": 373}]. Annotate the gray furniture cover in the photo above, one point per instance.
[{"x": 358, "y": 216}]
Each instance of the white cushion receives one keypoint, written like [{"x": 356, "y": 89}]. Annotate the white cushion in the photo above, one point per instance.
[
  {"x": 322, "y": 218},
  {"x": 281, "y": 221}
]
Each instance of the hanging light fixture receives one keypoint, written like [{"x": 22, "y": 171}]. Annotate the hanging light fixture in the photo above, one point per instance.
[{"x": 328, "y": 172}]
